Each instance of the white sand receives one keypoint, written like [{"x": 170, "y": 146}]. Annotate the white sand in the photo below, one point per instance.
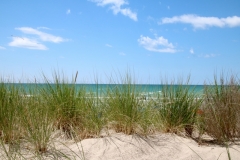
[
  {"x": 158, "y": 147},
  {"x": 118, "y": 146}
]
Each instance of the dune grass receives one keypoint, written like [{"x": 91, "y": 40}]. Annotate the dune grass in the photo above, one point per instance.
[
  {"x": 177, "y": 106},
  {"x": 61, "y": 100},
  {"x": 37, "y": 122},
  {"x": 11, "y": 107},
  {"x": 75, "y": 109},
  {"x": 222, "y": 109},
  {"x": 29, "y": 117},
  {"x": 125, "y": 110}
]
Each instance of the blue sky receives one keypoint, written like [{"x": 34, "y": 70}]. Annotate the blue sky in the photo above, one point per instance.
[{"x": 98, "y": 38}]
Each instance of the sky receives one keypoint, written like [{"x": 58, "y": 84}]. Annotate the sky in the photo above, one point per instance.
[{"x": 101, "y": 39}]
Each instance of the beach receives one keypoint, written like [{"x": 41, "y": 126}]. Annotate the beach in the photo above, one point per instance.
[
  {"x": 119, "y": 146},
  {"x": 61, "y": 120},
  {"x": 156, "y": 147}
]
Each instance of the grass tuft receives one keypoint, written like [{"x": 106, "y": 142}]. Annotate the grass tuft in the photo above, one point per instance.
[
  {"x": 11, "y": 106},
  {"x": 222, "y": 109},
  {"x": 125, "y": 110},
  {"x": 177, "y": 106}
]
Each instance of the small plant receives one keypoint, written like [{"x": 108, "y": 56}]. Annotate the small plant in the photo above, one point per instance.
[
  {"x": 76, "y": 110},
  {"x": 11, "y": 105},
  {"x": 222, "y": 109},
  {"x": 37, "y": 122},
  {"x": 125, "y": 110},
  {"x": 91, "y": 113},
  {"x": 177, "y": 107},
  {"x": 61, "y": 98}
]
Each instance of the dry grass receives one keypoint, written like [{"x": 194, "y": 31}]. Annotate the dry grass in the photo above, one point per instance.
[{"x": 222, "y": 109}]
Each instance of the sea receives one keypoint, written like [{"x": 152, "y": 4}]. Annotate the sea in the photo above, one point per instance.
[{"x": 100, "y": 89}]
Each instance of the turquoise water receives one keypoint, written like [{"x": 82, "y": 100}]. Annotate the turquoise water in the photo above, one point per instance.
[{"x": 147, "y": 89}]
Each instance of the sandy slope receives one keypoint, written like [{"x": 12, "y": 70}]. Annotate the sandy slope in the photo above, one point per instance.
[
  {"x": 119, "y": 146},
  {"x": 162, "y": 146}
]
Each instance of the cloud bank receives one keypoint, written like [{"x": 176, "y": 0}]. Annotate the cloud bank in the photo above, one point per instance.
[
  {"x": 159, "y": 44},
  {"x": 35, "y": 41},
  {"x": 199, "y": 22},
  {"x": 116, "y": 7}
]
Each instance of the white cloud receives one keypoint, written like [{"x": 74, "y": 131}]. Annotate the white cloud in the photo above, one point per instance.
[
  {"x": 116, "y": 7},
  {"x": 43, "y": 36},
  {"x": 159, "y": 44},
  {"x": 108, "y": 45},
  {"x": 2, "y": 48},
  {"x": 129, "y": 13},
  {"x": 27, "y": 43},
  {"x": 68, "y": 11},
  {"x": 34, "y": 42},
  {"x": 191, "y": 51},
  {"x": 204, "y": 22}
]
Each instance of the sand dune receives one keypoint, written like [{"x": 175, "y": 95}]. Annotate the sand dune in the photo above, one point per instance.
[
  {"x": 157, "y": 147},
  {"x": 118, "y": 146}
]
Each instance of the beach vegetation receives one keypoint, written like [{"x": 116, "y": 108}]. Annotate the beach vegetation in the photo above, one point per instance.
[
  {"x": 222, "y": 109},
  {"x": 126, "y": 111},
  {"x": 30, "y": 116},
  {"x": 177, "y": 106},
  {"x": 11, "y": 107},
  {"x": 76, "y": 110},
  {"x": 37, "y": 122}
]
